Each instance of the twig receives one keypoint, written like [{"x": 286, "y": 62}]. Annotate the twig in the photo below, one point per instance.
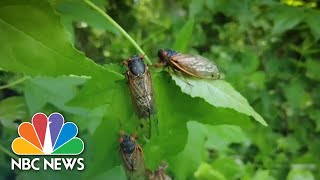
[
  {"x": 8, "y": 152},
  {"x": 14, "y": 82},
  {"x": 115, "y": 24}
]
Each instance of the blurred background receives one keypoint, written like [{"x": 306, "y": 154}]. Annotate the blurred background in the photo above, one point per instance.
[{"x": 268, "y": 50}]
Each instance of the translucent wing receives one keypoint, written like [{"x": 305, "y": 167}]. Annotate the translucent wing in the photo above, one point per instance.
[
  {"x": 195, "y": 65},
  {"x": 143, "y": 99},
  {"x": 134, "y": 163}
]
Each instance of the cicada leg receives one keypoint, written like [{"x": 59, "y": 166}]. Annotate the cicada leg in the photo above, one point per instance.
[
  {"x": 170, "y": 71},
  {"x": 179, "y": 73},
  {"x": 117, "y": 81},
  {"x": 159, "y": 65},
  {"x": 123, "y": 63}
]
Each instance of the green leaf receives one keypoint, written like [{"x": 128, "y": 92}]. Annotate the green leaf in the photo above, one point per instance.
[
  {"x": 300, "y": 174},
  {"x": 281, "y": 68},
  {"x": 288, "y": 144},
  {"x": 265, "y": 140},
  {"x": 285, "y": 17},
  {"x": 220, "y": 136},
  {"x": 195, "y": 7},
  {"x": 91, "y": 118},
  {"x": 115, "y": 173},
  {"x": 312, "y": 19},
  {"x": 206, "y": 172},
  {"x": 184, "y": 36},
  {"x": 118, "y": 115},
  {"x": 262, "y": 175},
  {"x": 200, "y": 138},
  {"x": 37, "y": 44},
  {"x": 314, "y": 114},
  {"x": 190, "y": 155},
  {"x": 218, "y": 93},
  {"x": 47, "y": 94},
  {"x": 313, "y": 67},
  {"x": 297, "y": 95},
  {"x": 250, "y": 62},
  {"x": 99, "y": 90},
  {"x": 50, "y": 175},
  {"x": 105, "y": 143},
  {"x": 57, "y": 91},
  {"x": 229, "y": 167},
  {"x": 11, "y": 109}
]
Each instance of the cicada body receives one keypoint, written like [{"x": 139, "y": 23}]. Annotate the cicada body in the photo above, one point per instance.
[
  {"x": 132, "y": 156},
  {"x": 141, "y": 92},
  {"x": 193, "y": 65}
]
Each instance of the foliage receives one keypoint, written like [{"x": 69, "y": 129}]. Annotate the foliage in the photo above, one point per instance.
[{"x": 267, "y": 50}]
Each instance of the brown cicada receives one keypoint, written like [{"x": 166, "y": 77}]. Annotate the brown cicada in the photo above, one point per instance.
[
  {"x": 141, "y": 92},
  {"x": 160, "y": 173},
  {"x": 193, "y": 65},
  {"x": 132, "y": 156}
]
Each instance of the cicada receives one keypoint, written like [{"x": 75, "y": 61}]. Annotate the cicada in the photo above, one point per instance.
[
  {"x": 132, "y": 156},
  {"x": 141, "y": 92},
  {"x": 193, "y": 65},
  {"x": 160, "y": 173}
]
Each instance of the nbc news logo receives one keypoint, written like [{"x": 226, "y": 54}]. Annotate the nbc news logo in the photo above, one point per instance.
[{"x": 48, "y": 136}]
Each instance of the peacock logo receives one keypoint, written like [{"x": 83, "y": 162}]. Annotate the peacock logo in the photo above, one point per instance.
[{"x": 47, "y": 136}]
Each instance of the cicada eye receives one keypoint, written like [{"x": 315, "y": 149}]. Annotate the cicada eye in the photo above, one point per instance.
[
  {"x": 121, "y": 140},
  {"x": 162, "y": 54}
]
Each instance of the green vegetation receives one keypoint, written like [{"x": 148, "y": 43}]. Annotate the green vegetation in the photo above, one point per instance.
[{"x": 65, "y": 56}]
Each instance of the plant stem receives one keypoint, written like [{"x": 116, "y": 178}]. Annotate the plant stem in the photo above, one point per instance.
[
  {"x": 115, "y": 24},
  {"x": 8, "y": 152},
  {"x": 14, "y": 82}
]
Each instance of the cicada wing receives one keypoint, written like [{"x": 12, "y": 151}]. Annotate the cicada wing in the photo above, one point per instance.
[
  {"x": 143, "y": 100},
  {"x": 127, "y": 160},
  {"x": 134, "y": 91},
  {"x": 134, "y": 163},
  {"x": 152, "y": 104},
  {"x": 145, "y": 126},
  {"x": 142, "y": 95},
  {"x": 196, "y": 65},
  {"x": 150, "y": 94},
  {"x": 139, "y": 158},
  {"x": 153, "y": 117}
]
